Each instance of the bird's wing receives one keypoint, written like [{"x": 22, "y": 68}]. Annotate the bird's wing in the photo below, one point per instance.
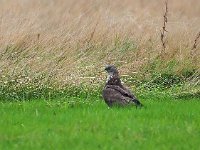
[
  {"x": 129, "y": 92},
  {"x": 123, "y": 91},
  {"x": 113, "y": 96}
]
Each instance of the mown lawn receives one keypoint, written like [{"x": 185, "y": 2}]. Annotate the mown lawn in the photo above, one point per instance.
[{"x": 39, "y": 124}]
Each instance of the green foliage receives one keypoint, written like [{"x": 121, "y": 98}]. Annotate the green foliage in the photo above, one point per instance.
[
  {"x": 26, "y": 88},
  {"x": 166, "y": 80},
  {"x": 187, "y": 95},
  {"x": 22, "y": 87}
]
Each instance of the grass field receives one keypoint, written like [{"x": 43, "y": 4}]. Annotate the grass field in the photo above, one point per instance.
[{"x": 165, "y": 123}]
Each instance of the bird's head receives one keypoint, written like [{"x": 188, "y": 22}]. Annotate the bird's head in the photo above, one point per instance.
[{"x": 111, "y": 70}]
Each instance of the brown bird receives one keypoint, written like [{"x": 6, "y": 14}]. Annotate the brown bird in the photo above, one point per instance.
[{"x": 114, "y": 93}]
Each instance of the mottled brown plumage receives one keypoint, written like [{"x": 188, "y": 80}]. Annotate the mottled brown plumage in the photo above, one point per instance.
[{"x": 114, "y": 93}]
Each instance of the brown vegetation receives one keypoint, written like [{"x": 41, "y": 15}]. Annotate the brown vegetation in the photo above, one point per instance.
[{"x": 71, "y": 40}]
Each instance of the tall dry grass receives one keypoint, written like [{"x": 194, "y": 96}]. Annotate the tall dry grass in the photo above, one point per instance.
[{"x": 71, "y": 40}]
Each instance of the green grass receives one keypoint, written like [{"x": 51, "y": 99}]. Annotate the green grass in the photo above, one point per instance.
[{"x": 164, "y": 124}]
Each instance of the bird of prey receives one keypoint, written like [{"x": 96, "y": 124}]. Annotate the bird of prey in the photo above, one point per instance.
[{"x": 114, "y": 93}]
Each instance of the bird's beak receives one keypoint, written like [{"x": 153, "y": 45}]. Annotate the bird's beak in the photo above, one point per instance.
[{"x": 106, "y": 68}]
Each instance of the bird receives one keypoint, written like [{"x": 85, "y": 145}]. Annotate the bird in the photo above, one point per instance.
[{"x": 114, "y": 93}]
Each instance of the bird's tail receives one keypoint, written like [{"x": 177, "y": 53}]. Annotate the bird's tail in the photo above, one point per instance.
[{"x": 137, "y": 103}]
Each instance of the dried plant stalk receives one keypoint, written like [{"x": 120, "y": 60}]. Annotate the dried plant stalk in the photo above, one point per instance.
[
  {"x": 195, "y": 41},
  {"x": 163, "y": 31},
  {"x": 194, "y": 54}
]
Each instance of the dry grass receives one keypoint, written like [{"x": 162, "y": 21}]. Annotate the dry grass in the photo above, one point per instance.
[{"x": 73, "y": 40}]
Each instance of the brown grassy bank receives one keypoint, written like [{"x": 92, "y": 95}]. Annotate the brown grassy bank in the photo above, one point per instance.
[{"x": 71, "y": 41}]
